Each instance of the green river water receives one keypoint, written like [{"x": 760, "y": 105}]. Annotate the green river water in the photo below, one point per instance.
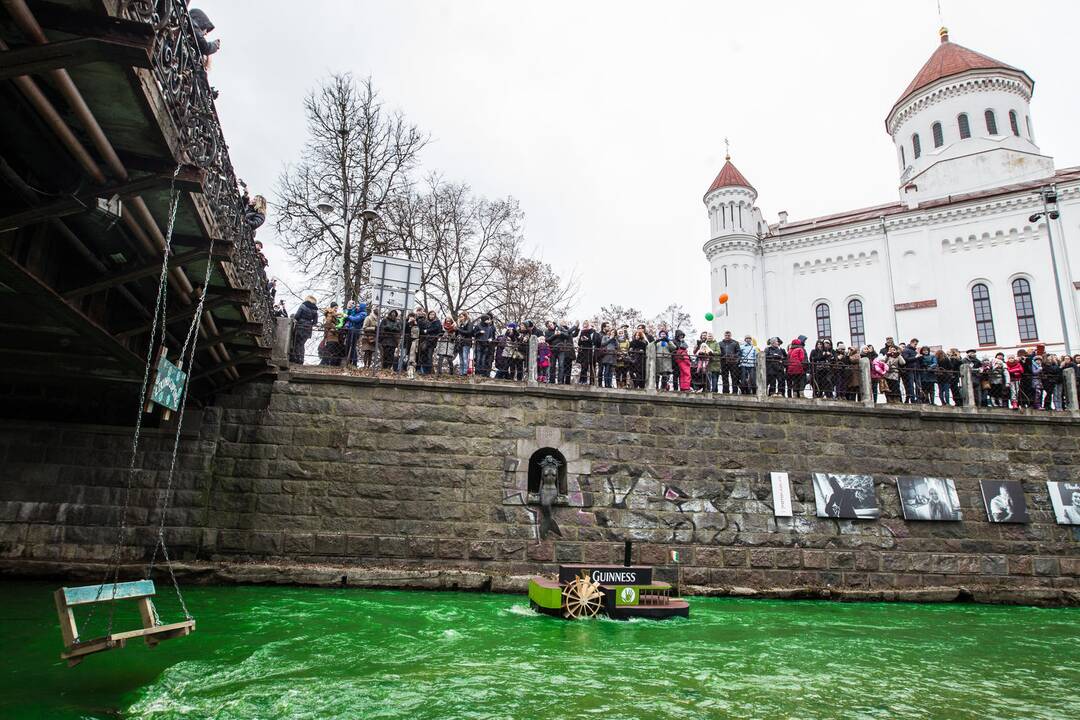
[{"x": 266, "y": 652}]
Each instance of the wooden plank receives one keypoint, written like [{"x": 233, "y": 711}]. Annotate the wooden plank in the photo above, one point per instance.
[
  {"x": 149, "y": 269},
  {"x": 74, "y": 655},
  {"x": 68, "y": 629},
  {"x": 85, "y": 201},
  {"x": 168, "y": 631},
  {"x": 70, "y": 53},
  {"x": 54, "y": 306},
  {"x": 183, "y": 314},
  {"x": 87, "y": 594}
]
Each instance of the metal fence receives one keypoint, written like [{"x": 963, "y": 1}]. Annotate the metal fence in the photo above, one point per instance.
[{"x": 653, "y": 367}]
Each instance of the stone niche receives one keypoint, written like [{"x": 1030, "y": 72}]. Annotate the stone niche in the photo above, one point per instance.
[{"x": 521, "y": 475}]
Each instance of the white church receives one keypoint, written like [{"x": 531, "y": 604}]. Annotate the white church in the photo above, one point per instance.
[{"x": 963, "y": 259}]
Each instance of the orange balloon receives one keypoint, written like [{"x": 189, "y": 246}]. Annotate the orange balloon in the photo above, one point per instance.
[{"x": 723, "y": 298}]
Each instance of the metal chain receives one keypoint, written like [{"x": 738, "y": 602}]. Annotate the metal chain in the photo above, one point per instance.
[
  {"x": 159, "y": 313},
  {"x": 187, "y": 358}
]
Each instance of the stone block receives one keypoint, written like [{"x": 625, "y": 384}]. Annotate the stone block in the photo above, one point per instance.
[
  {"x": 483, "y": 550},
  {"x": 1047, "y": 566},
  {"x": 568, "y": 552},
  {"x": 361, "y": 545}
]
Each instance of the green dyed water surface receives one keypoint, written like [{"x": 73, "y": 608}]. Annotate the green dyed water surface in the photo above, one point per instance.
[{"x": 263, "y": 652}]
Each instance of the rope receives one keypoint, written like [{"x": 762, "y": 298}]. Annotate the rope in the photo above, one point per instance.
[{"x": 159, "y": 313}]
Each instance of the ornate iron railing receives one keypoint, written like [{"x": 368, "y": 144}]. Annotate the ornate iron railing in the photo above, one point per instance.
[{"x": 179, "y": 67}]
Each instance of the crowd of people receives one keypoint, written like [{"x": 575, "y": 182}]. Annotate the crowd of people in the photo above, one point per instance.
[{"x": 610, "y": 356}]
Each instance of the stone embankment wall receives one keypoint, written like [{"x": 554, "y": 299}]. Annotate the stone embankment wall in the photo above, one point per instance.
[{"x": 359, "y": 472}]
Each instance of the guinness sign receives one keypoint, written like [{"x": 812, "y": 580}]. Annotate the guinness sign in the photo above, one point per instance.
[{"x": 607, "y": 574}]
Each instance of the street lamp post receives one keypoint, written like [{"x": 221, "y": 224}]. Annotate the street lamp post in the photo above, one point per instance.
[{"x": 1049, "y": 197}]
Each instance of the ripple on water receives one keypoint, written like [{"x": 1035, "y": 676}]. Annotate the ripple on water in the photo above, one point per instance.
[{"x": 272, "y": 653}]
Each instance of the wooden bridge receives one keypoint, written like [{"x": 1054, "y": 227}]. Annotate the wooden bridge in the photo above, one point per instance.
[{"x": 105, "y": 112}]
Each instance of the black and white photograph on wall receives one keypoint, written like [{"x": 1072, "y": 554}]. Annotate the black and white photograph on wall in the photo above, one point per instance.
[
  {"x": 927, "y": 498},
  {"x": 845, "y": 496},
  {"x": 1065, "y": 497},
  {"x": 1004, "y": 500}
]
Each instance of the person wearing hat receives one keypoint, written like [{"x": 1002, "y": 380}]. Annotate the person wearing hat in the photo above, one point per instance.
[{"x": 747, "y": 366}]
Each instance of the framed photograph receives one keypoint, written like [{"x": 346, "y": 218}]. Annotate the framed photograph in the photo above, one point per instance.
[
  {"x": 1004, "y": 501},
  {"x": 845, "y": 496},
  {"x": 1065, "y": 497},
  {"x": 927, "y": 498},
  {"x": 781, "y": 494}
]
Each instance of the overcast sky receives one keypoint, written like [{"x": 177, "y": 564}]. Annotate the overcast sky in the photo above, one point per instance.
[{"x": 606, "y": 119}]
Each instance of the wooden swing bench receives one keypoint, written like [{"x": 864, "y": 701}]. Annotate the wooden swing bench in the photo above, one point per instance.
[{"x": 141, "y": 591}]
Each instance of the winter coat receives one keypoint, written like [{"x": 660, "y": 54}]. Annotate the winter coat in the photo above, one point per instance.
[
  {"x": 775, "y": 360},
  {"x": 607, "y": 347},
  {"x": 201, "y": 24},
  {"x": 587, "y": 341},
  {"x": 484, "y": 332},
  {"x": 925, "y": 369},
  {"x": 894, "y": 363},
  {"x": 354, "y": 318},
  {"x": 389, "y": 332},
  {"x": 664, "y": 348},
  {"x": 464, "y": 333},
  {"x": 730, "y": 351},
  {"x": 796, "y": 360},
  {"x": 715, "y": 361},
  {"x": 747, "y": 355},
  {"x": 306, "y": 316}
]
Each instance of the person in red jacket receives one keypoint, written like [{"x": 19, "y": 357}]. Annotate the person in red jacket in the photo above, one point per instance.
[
  {"x": 796, "y": 368},
  {"x": 682, "y": 361}
]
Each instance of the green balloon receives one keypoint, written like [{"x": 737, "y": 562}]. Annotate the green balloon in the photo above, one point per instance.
[{"x": 709, "y": 316}]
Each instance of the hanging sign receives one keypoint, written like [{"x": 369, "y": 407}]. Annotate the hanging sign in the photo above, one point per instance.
[{"x": 168, "y": 385}]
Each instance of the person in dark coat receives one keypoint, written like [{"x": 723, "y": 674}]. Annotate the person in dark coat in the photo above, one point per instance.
[
  {"x": 910, "y": 353},
  {"x": 775, "y": 367},
  {"x": 562, "y": 349},
  {"x": 389, "y": 337},
  {"x": 636, "y": 358},
  {"x": 485, "y": 345},
  {"x": 304, "y": 319},
  {"x": 200, "y": 23},
  {"x": 588, "y": 341},
  {"x": 431, "y": 329},
  {"x": 822, "y": 359},
  {"x": 729, "y": 363}
]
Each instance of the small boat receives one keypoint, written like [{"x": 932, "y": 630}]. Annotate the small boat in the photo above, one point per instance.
[{"x": 618, "y": 591}]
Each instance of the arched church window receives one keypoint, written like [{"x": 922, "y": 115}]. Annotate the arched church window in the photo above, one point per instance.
[
  {"x": 1014, "y": 125},
  {"x": 1025, "y": 310},
  {"x": 965, "y": 127},
  {"x": 855, "y": 323},
  {"x": 903, "y": 158},
  {"x": 916, "y": 146},
  {"x": 984, "y": 316},
  {"x": 939, "y": 134},
  {"x": 991, "y": 122},
  {"x": 1027, "y": 121},
  {"x": 824, "y": 321}
]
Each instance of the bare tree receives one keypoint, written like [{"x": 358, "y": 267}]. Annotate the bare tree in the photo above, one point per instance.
[
  {"x": 676, "y": 318},
  {"x": 357, "y": 158},
  {"x": 618, "y": 316},
  {"x": 527, "y": 288}
]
